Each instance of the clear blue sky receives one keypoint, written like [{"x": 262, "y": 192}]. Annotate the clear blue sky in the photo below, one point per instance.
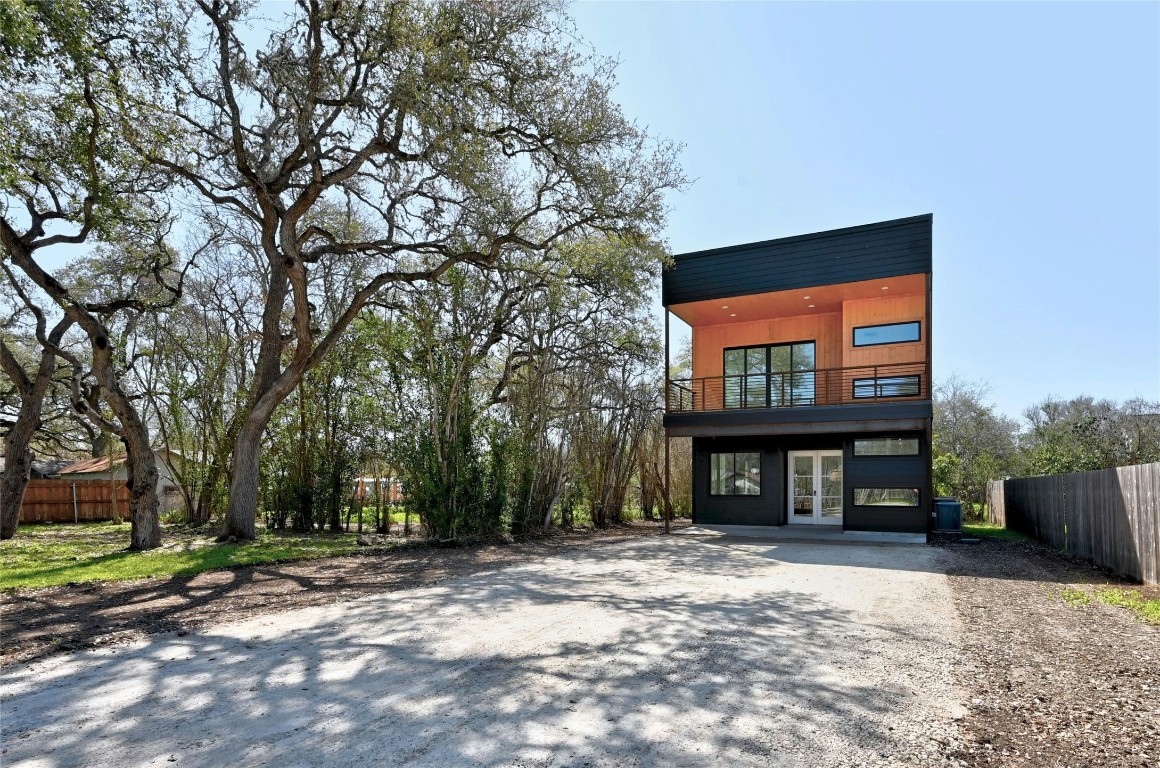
[{"x": 1030, "y": 131}]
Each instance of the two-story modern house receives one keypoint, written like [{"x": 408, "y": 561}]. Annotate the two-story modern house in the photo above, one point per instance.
[{"x": 809, "y": 400}]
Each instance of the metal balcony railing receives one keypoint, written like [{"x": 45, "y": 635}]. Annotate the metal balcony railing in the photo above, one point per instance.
[{"x": 795, "y": 389}]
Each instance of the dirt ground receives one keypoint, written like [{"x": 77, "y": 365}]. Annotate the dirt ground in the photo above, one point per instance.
[
  {"x": 1050, "y": 683},
  {"x": 41, "y": 622},
  {"x": 1038, "y": 681}
]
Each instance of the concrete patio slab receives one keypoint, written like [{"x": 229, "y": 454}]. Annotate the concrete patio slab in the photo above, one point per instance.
[{"x": 804, "y": 533}]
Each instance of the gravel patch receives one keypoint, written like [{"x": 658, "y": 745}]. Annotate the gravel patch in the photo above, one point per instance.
[
  {"x": 651, "y": 651},
  {"x": 36, "y": 623}
]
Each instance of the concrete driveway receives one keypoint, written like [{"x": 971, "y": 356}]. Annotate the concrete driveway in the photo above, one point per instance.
[{"x": 655, "y": 651}]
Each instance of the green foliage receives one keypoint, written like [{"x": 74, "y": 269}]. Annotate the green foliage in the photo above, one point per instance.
[
  {"x": 457, "y": 487},
  {"x": 947, "y": 467},
  {"x": 45, "y": 556},
  {"x": 1147, "y": 609},
  {"x": 1084, "y": 434}
]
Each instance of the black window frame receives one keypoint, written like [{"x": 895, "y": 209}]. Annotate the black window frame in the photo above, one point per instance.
[
  {"x": 743, "y": 378},
  {"x": 917, "y": 497},
  {"x": 760, "y": 479},
  {"x": 855, "y": 454},
  {"x": 877, "y": 381},
  {"x": 854, "y": 334}
]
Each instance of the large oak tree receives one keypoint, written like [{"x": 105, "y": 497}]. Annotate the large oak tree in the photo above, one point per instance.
[
  {"x": 69, "y": 180},
  {"x": 432, "y": 133}
]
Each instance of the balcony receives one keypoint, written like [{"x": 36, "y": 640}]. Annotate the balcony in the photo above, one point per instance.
[{"x": 856, "y": 385}]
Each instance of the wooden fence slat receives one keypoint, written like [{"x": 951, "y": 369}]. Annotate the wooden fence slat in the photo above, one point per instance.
[
  {"x": 1110, "y": 516},
  {"x": 51, "y": 501}
]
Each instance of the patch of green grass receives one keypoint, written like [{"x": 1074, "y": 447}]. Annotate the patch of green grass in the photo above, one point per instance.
[
  {"x": 1075, "y": 597},
  {"x": 45, "y": 556},
  {"x": 1148, "y": 609},
  {"x": 993, "y": 531}
]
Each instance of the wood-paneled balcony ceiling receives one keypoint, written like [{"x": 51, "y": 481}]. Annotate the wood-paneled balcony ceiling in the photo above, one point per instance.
[{"x": 799, "y": 301}]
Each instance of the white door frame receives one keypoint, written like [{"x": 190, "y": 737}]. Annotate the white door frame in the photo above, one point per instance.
[{"x": 816, "y": 518}]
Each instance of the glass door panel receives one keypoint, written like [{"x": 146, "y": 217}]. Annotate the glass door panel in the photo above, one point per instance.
[
  {"x": 803, "y": 359},
  {"x": 734, "y": 375},
  {"x": 831, "y": 488},
  {"x": 815, "y": 487},
  {"x": 756, "y": 383},
  {"x": 780, "y": 361},
  {"x": 803, "y": 488},
  {"x": 770, "y": 376}
]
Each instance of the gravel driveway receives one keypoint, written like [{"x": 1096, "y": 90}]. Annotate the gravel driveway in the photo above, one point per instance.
[{"x": 653, "y": 651}]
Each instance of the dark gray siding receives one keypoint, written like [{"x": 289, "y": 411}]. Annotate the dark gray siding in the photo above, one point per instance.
[
  {"x": 886, "y": 472},
  {"x": 765, "y": 509},
  {"x": 871, "y": 417},
  {"x": 770, "y": 507},
  {"x": 885, "y": 249}
]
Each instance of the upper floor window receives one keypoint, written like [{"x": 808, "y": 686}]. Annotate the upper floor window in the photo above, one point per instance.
[
  {"x": 888, "y": 386},
  {"x": 891, "y": 333},
  {"x": 769, "y": 376}
]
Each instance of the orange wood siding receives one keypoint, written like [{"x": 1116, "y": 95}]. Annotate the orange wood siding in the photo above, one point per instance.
[
  {"x": 893, "y": 309},
  {"x": 710, "y": 342}
]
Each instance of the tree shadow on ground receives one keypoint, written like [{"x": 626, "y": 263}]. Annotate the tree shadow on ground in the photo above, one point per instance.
[{"x": 635, "y": 654}]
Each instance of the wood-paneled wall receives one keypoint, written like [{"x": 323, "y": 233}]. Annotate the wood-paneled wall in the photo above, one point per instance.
[
  {"x": 892, "y": 309},
  {"x": 833, "y": 333},
  {"x": 709, "y": 342}
]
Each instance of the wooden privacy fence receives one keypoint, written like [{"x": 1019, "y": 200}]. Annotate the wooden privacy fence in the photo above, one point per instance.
[
  {"x": 1110, "y": 516},
  {"x": 52, "y": 501}
]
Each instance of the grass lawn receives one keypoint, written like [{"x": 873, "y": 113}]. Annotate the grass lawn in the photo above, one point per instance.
[
  {"x": 48, "y": 555},
  {"x": 992, "y": 530}
]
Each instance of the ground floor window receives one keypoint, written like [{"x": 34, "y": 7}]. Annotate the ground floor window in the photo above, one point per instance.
[
  {"x": 886, "y": 497},
  {"x": 735, "y": 474},
  {"x": 886, "y": 446}
]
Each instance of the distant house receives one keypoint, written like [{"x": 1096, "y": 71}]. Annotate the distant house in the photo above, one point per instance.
[{"x": 168, "y": 487}]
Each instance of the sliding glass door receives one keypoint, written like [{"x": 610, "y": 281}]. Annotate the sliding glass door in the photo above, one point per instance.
[{"x": 767, "y": 376}]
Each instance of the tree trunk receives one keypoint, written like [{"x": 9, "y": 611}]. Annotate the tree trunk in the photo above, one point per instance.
[
  {"x": 140, "y": 463},
  {"x": 18, "y": 457},
  {"x": 17, "y": 469},
  {"x": 336, "y": 503},
  {"x": 243, "y": 505},
  {"x": 18, "y": 461}
]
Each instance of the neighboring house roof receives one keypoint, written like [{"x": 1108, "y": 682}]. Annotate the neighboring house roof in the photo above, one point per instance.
[
  {"x": 49, "y": 467},
  {"x": 99, "y": 464}
]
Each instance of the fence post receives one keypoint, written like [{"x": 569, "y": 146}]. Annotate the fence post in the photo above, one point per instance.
[{"x": 76, "y": 515}]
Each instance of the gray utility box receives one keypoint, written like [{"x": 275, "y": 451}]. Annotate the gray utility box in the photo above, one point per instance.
[{"x": 948, "y": 514}]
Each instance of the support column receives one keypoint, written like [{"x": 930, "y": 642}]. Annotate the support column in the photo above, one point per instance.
[{"x": 668, "y": 387}]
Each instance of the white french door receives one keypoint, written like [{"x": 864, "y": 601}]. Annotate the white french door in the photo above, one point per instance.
[{"x": 815, "y": 487}]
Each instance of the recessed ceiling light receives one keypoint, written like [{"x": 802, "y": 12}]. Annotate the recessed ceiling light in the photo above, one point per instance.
[
  {"x": 724, "y": 306},
  {"x": 811, "y": 306},
  {"x": 886, "y": 287},
  {"x": 805, "y": 297},
  {"x": 732, "y": 314}
]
